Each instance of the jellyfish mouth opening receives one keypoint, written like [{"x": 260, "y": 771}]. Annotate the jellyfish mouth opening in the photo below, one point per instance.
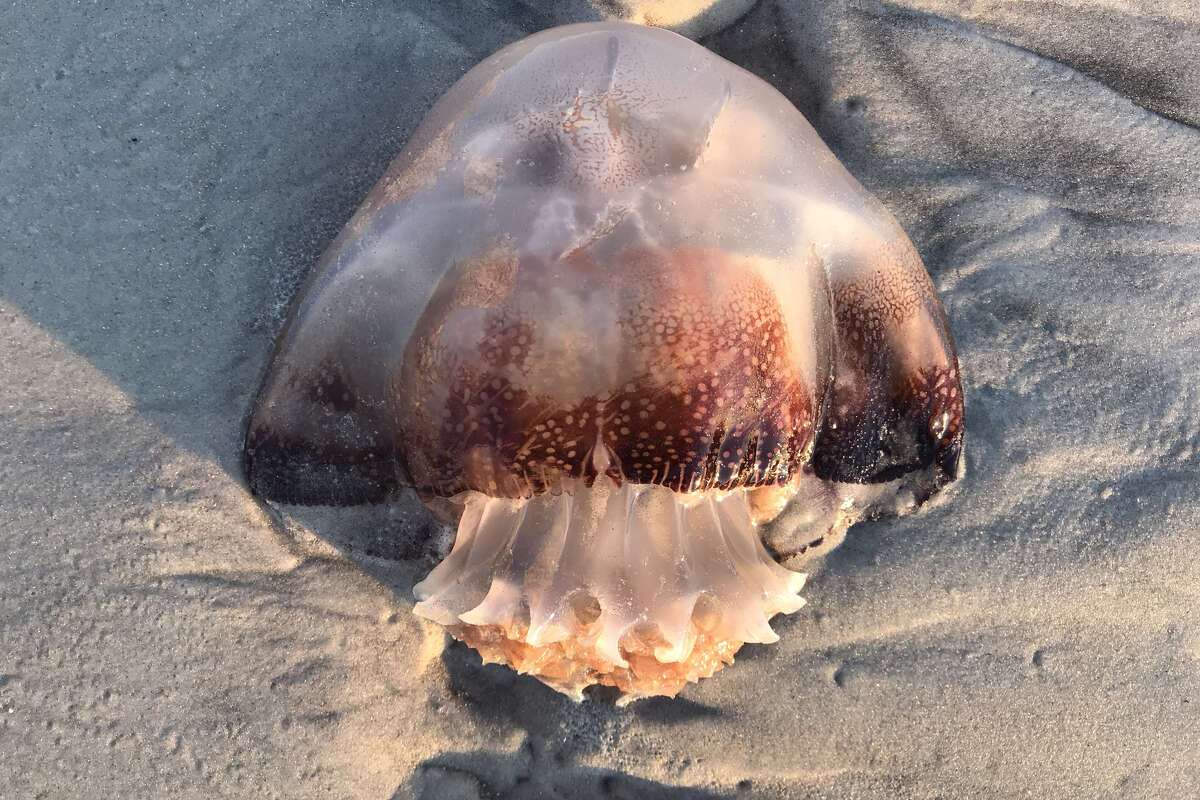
[{"x": 633, "y": 585}]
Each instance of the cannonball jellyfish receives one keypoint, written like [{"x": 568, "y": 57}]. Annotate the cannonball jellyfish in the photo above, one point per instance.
[{"x": 619, "y": 313}]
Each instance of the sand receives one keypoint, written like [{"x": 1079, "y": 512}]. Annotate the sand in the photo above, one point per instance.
[{"x": 169, "y": 172}]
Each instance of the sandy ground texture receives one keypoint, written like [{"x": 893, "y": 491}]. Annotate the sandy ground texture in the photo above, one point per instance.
[{"x": 169, "y": 172}]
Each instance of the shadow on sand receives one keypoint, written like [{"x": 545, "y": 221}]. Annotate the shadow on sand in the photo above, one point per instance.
[{"x": 489, "y": 776}]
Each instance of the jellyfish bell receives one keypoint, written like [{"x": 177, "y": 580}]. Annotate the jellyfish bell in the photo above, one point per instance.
[{"x": 618, "y": 307}]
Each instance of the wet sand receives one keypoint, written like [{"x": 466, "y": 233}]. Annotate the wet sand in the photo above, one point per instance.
[{"x": 169, "y": 173}]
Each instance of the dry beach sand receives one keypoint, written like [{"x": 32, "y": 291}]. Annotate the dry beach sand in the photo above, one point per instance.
[{"x": 167, "y": 175}]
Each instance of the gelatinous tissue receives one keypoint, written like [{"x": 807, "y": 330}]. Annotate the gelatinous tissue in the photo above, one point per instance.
[{"x": 619, "y": 312}]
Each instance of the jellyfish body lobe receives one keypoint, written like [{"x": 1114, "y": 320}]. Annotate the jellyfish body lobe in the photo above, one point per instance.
[{"x": 619, "y": 304}]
